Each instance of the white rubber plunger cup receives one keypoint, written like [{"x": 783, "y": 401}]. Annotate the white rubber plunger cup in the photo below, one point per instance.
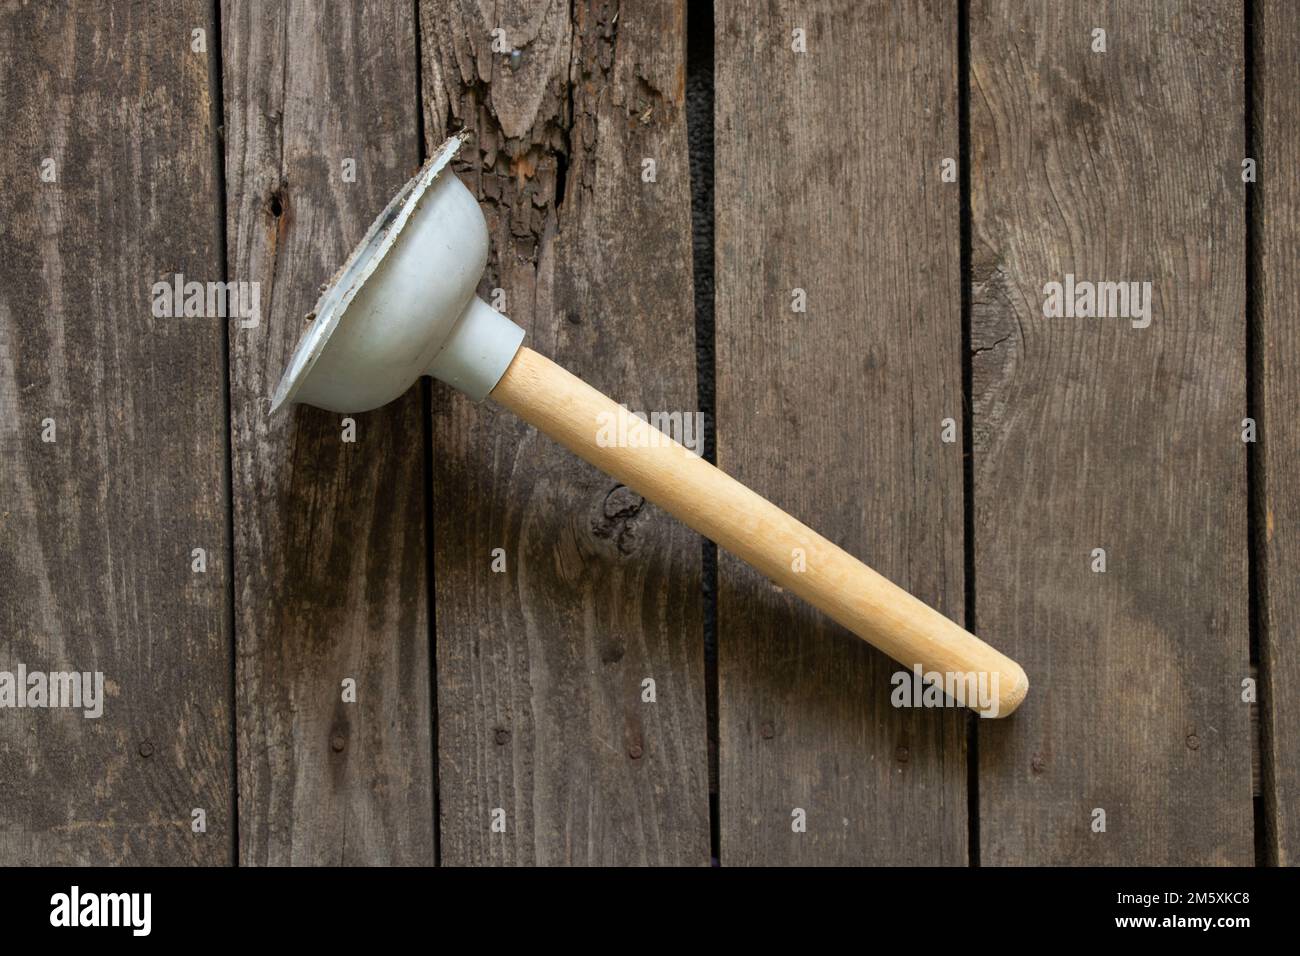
[{"x": 403, "y": 305}]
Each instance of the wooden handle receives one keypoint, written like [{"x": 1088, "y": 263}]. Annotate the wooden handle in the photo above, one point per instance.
[{"x": 722, "y": 509}]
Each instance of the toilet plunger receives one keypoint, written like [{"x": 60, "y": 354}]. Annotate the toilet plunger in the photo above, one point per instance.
[{"x": 404, "y": 305}]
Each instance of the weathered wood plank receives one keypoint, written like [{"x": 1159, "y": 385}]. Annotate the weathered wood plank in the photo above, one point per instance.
[
  {"x": 97, "y": 527},
  {"x": 1091, "y": 433},
  {"x": 540, "y": 668},
  {"x": 329, "y": 536},
  {"x": 1277, "y": 221},
  {"x": 828, "y": 180}
]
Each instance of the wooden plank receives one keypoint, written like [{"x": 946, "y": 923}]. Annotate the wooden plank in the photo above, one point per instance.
[
  {"x": 836, "y": 415},
  {"x": 1277, "y": 213},
  {"x": 1092, "y": 433},
  {"x": 329, "y": 535},
  {"x": 541, "y": 667},
  {"x": 97, "y": 527}
]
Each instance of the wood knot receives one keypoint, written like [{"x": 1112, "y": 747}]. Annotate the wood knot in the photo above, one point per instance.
[{"x": 617, "y": 520}]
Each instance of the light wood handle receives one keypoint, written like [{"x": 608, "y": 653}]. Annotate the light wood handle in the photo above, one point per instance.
[{"x": 719, "y": 507}]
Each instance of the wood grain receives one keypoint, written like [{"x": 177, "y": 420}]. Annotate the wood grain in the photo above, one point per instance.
[
  {"x": 329, "y": 536},
  {"x": 836, "y": 415},
  {"x": 1087, "y": 433},
  {"x": 541, "y": 667},
  {"x": 97, "y": 527},
  {"x": 1277, "y": 343},
  {"x": 1090, "y": 433}
]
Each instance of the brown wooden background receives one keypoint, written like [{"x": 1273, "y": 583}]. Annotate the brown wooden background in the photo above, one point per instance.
[{"x": 775, "y": 170}]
